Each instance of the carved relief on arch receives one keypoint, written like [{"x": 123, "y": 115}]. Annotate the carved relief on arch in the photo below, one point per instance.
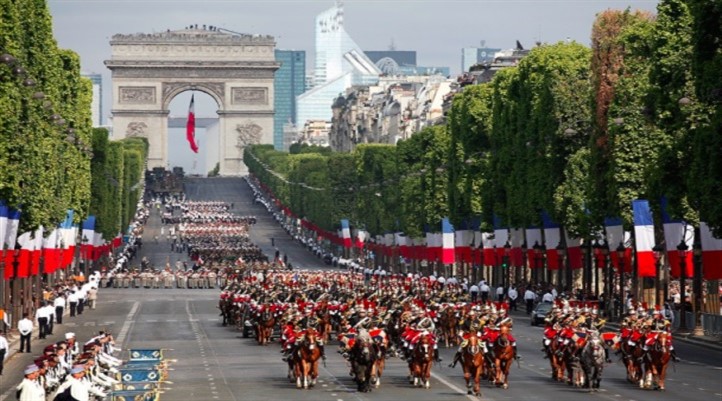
[{"x": 215, "y": 89}]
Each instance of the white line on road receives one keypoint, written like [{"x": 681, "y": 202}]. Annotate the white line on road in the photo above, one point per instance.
[
  {"x": 457, "y": 388},
  {"x": 128, "y": 322}
]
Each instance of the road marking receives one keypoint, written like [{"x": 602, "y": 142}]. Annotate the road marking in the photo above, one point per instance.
[
  {"x": 128, "y": 322},
  {"x": 457, "y": 388}
]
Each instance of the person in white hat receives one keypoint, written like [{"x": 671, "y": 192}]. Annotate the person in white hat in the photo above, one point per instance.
[
  {"x": 74, "y": 386},
  {"x": 30, "y": 388}
]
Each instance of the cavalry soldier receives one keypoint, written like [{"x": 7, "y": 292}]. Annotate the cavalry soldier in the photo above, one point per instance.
[
  {"x": 470, "y": 324},
  {"x": 654, "y": 325}
]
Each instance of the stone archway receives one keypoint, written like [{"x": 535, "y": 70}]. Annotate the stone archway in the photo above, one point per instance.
[{"x": 237, "y": 71}]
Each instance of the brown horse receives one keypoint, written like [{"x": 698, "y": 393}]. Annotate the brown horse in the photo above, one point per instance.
[
  {"x": 472, "y": 361},
  {"x": 306, "y": 360},
  {"x": 422, "y": 357},
  {"x": 264, "y": 327},
  {"x": 448, "y": 323},
  {"x": 556, "y": 359},
  {"x": 656, "y": 361},
  {"x": 632, "y": 356},
  {"x": 324, "y": 324},
  {"x": 503, "y": 356}
]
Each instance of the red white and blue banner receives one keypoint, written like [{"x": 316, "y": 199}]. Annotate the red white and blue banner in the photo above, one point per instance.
[
  {"x": 37, "y": 251},
  {"x": 191, "y": 126},
  {"x": 616, "y": 235},
  {"x": 463, "y": 240},
  {"x": 644, "y": 238},
  {"x": 68, "y": 233},
  {"x": 677, "y": 231},
  {"x": 447, "y": 242},
  {"x": 51, "y": 252},
  {"x": 88, "y": 237},
  {"x": 12, "y": 222},
  {"x": 346, "y": 233},
  {"x": 516, "y": 257},
  {"x": 24, "y": 257},
  {"x": 552, "y": 238},
  {"x": 711, "y": 253},
  {"x": 574, "y": 251},
  {"x": 501, "y": 238},
  {"x": 3, "y": 222}
]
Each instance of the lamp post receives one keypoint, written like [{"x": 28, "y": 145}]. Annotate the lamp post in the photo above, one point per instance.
[
  {"x": 537, "y": 262},
  {"x": 697, "y": 288},
  {"x": 505, "y": 265},
  {"x": 657, "y": 250},
  {"x": 598, "y": 264},
  {"x": 621, "y": 250},
  {"x": 609, "y": 282},
  {"x": 682, "y": 249},
  {"x": 561, "y": 254}
]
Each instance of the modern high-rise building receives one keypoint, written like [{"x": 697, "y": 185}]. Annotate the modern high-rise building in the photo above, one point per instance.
[
  {"x": 289, "y": 82},
  {"x": 340, "y": 63},
  {"x": 96, "y": 107},
  {"x": 475, "y": 55}
]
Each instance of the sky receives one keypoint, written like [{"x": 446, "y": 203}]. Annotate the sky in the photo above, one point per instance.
[{"x": 436, "y": 29}]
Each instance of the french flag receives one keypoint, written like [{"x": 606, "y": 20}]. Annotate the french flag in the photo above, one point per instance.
[
  {"x": 10, "y": 238},
  {"x": 401, "y": 242},
  {"x": 644, "y": 238},
  {"x": 27, "y": 246},
  {"x": 675, "y": 232},
  {"x": 51, "y": 251},
  {"x": 501, "y": 237},
  {"x": 361, "y": 236},
  {"x": 37, "y": 251},
  {"x": 552, "y": 237},
  {"x": 432, "y": 251},
  {"x": 463, "y": 240},
  {"x": 67, "y": 239},
  {"x": 88, "y": 236},
  {"x": 574, "y": 251},
  {"x": 98, "y": 246},
  {"x": 533, "y": 237},
  {"x": 346, "y": 233},
  {"x": 711, "y": 253},
  {"x": 615, "y": 235},
  {"x": 447, "y": 242},
  {"x": 517, "y": 239},
  {"x": 3, "y": 222},
  {"x": 487, "y": 245}
]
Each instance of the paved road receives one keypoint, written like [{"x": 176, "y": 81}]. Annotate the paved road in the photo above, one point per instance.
[{"x": 214, "y": 363}]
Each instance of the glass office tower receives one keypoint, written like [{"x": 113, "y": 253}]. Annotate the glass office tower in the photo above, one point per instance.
[{"x": 289, "y": 82}]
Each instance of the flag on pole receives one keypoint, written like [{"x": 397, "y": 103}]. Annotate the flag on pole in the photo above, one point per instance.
[
  {"x": 67, "y": 239},
  {"x": 644, "y": 238},
  {"x": 516, "y": 240},
  {"x": 191, "y": 126},
  {"x": 711, "y": 253},
  {"x": 51, "y": 252},
  {"x": 533, "y": 238},
  {"x": 37, "y": 251},
  {"x": 3, "y": 222},
  {"x": 675, "y": 232},
  {"x": 11, "y": 234},
  {"x": 447, "y": 242},
  {"x": 87, "y": 238},
  {"x": 27, "y": 245}
]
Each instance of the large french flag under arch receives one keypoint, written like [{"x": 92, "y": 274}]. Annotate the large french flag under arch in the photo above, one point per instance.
[
  {"x": 191, "y": 126},
  {"x": 711, "y": 253},
  {"x": 644, "y": 238}
]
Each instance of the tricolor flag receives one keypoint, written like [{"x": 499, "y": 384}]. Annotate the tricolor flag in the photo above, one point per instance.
[
  {"x": 644, "y": 238},
  {"x": 487, "y": 243},
  {"x": 27, "y": 245},
  {"x": 533, "y": 238},
  {"x": 516, "y": 241},
  {"x": 501, "y": 238},
  {"x": 11, "y": 230},
  {"x": 98, "y": 246},
  {"x": 191, "y": 126},
  {"x": 447, "y": 242},
  {"x": 711, "y": 253},
  {"x": 37, "y": 251},
  {"x": 463, "y": 240},
  {"x": 574, "y": 251},
  {"x": 51, "y": 251},
  {"x": 552, "y": 238},
  {"x": 676, "y": 232},
  {"x": 402, "y": 243},
  {"x": 615, "y": 235},
  {"x": 88, "y": 237},
  {"x": 346, "y": 233},
  {"x": 3, "y": 222},
  {"x": 67, "y": 239}
]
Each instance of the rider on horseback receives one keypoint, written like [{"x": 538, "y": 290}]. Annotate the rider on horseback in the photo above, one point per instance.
[
  {"x": 656, "y": 324},
  {"x": 470, "y": 324},
  {"x": 503, "y": 319},
  {"x": 420, "y": 326},
  {"x": 292, "y": 332}
]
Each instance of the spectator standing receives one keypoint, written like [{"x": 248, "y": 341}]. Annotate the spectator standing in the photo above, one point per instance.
[
  {"x": 474, "y": 291},
  {"x": 4, "y": 346},
  {"x": 25, "y": 327},
  {"x": 60, "y": 303},
  {"x": 513, "y": 294},
  {"x": 529, "y": 298},
  {"x": 484, "y": 289},
  {"x": 500, "y": 294},
  {"x": 548, "y": 297},
  {"x": 73, "y": 302},
  {"x": 92, "y": 297},
  {"x": 42, "y": 315}
]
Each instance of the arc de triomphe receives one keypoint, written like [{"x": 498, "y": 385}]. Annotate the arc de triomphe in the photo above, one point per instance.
[{"x": 149, "y": 70}]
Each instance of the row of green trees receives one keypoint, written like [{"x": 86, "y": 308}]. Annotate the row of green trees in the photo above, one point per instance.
[
  {"x": 51, "y": 159},
  {"x": 575, "y": 131}
]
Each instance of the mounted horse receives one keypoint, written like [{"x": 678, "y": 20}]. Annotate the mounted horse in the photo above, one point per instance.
[
  {"x": 472, "y": 361},
  {"x": 363, "y": 357},
  {"x": 380, "y": 347},
  {"x": 592, "y": 360},
  {"x": 264, "y": 326},
  {"x": 305, "y": 360},
  {"x": 503, "y": 353},
  {"x": 656, "y": 361},
  {"x": 632, "y": 357},
  {"x": 227, "y": 310},
  {"x": 448, "y": 321},
  {"x": 422, "y": 357}
]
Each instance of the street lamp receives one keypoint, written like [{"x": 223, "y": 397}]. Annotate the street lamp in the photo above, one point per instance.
[
  {"x": 621, "y": 250},
  {"x": 682, "y": 249},
  {"x": 697, "y": 289},
  {"x": 561, "y": 254}
]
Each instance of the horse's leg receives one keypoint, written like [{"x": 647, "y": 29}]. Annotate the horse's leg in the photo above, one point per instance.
[{"x": 467, "y": 377}]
